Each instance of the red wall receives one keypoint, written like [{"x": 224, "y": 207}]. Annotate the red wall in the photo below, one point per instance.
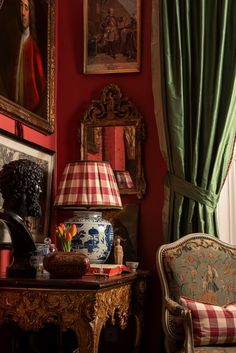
[{"x": 74, "y": 92}]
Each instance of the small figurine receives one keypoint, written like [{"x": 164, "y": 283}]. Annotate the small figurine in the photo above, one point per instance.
[
  {"x": 118, "y": 252},
  {"x": 20, "y": 185}
]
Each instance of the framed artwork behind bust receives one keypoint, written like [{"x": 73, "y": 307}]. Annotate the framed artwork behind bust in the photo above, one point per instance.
[{"x": 13, "y": 148}]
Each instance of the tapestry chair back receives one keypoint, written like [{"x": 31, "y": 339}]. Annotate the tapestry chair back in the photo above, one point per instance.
[{"x": 197, "y": 266}]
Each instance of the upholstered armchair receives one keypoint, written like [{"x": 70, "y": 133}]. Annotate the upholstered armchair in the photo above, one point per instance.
[{"x": 198, "y": 279}]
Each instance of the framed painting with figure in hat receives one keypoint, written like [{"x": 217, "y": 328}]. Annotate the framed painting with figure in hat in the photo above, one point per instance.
[{"x": 112, "y": 36}]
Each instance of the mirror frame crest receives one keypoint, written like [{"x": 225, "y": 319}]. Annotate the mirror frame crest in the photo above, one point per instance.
[{"x": 114, "y": 109}]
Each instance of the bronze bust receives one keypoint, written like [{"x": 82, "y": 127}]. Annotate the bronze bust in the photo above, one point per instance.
[{"x": 20, "y": 182}]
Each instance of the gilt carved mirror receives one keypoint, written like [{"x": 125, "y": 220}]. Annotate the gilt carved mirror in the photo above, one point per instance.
[{"x": 112, "y": 129}]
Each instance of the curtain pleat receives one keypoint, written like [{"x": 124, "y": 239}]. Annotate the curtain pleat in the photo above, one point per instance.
[{"x": 196, "y": 73}]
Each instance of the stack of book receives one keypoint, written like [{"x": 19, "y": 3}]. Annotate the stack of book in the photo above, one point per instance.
[{"x": 106, "y": 269}]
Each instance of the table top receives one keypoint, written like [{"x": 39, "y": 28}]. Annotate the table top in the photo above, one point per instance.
[{"x": 86, "y": 282}]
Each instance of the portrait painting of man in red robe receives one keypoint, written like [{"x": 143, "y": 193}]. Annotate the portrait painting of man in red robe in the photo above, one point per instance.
[
  {"x": 29, "y": 77},
  {"x": 23, "y": 66}
]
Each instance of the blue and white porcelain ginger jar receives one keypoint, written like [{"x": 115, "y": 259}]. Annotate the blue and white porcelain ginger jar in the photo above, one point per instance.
[{"x": 94, "y": 236}]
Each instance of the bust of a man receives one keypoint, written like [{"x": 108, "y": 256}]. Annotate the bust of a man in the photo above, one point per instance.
[{"x": 20, "y": 185}]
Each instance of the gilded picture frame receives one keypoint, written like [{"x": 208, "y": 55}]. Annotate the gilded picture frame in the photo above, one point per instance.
[
  {"x": 125, "y": 227},
  {"x": 112, "y": 36},
  {"x": 113, "y": 129},
  {"x": 14, "y": 148},
  {"x": 28, "y": 95}
]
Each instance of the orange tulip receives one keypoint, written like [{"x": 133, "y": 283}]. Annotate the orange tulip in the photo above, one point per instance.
[
  {"x": 65, "y": 234},
  {"x": 68, "y": 236},
  {"x": 59, "y": 231},
  {"x": 73, "y": 230},
  {"x": 62, "y": 225}
]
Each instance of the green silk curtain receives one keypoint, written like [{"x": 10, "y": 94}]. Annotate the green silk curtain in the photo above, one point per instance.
[{"x": 197, "y": 44}]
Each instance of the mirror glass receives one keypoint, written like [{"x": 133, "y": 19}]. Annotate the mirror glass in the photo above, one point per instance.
[
  {"x": 112, "y": 130},
  {"x": 115, "y": 144}
]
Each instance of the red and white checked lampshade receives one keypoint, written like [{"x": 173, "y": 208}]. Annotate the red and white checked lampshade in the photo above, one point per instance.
[
  {"x": 123, "y": 179},
  {"x": 88, "y": 184}
]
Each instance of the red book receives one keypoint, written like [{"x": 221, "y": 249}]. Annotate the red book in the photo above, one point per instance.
[{"x": 105, "y": 269}]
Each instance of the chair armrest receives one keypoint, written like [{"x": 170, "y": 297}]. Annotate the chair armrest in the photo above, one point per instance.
[
  {"x": 173, "y": 307},
  {"x": 179, "y": 310}
]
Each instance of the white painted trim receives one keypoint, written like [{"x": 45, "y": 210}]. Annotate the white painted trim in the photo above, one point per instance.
[{"x": 226, "y": 209}]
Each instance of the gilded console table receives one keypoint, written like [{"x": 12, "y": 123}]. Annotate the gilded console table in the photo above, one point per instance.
[{"x": 82, "y": 305}]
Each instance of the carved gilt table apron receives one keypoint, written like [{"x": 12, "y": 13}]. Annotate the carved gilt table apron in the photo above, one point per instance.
[{"x": 82, "y": 305}]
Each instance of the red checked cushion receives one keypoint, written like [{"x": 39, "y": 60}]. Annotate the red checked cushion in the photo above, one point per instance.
[{"x": 212, "y": 324}]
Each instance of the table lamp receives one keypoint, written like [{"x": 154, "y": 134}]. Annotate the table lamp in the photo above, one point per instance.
[{"x": 89, "y": 186}]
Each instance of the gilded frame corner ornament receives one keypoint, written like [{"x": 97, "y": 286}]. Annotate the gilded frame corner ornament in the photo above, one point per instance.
[{"x": 42, "y": 116}]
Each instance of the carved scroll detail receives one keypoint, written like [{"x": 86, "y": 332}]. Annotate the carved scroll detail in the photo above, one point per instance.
[
  {"x": 112, "y": 105},
  {"x": 85, "y": 312}
]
